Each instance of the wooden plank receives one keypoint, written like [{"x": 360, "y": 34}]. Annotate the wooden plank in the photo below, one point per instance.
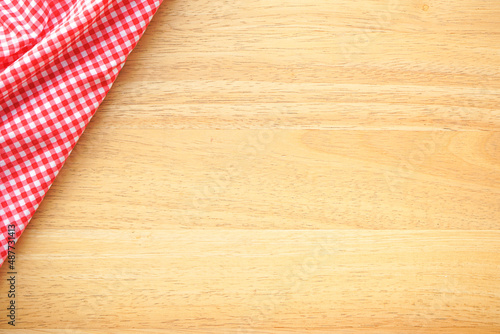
[
  {"x": 278, "y": 179},
  {"x": 393, "y": 65},
  {"x": 259, "y": 279}
]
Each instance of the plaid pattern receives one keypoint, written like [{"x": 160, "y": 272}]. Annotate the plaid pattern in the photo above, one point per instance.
[{"x": 58, "y": 59}]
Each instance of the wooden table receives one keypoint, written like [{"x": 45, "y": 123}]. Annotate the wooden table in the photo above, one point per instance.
[{"x": 282, "y": 167}]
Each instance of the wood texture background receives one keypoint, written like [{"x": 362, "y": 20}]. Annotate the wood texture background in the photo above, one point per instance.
[{"x": 279, "y": 167}]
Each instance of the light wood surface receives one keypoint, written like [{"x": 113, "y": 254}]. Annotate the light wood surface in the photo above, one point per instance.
[{"x": 281, "y": 167}]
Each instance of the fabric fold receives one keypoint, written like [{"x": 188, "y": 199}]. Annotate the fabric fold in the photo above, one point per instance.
[{"x": 58, "y": 60}]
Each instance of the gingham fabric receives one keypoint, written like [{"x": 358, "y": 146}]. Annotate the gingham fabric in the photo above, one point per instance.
[{"x": 58, "y": 59}]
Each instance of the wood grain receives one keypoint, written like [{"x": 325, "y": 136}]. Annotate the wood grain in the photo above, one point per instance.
[
  {"x": 322, "y": 65},
  {"x": 260, "y": 279},
  {"x": 280, "y": 167},
  {"x": 278, "y": 179}
]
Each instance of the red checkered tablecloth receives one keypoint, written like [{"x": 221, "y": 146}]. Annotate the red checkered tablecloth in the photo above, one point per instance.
[{"x": 58, "y": 59}]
